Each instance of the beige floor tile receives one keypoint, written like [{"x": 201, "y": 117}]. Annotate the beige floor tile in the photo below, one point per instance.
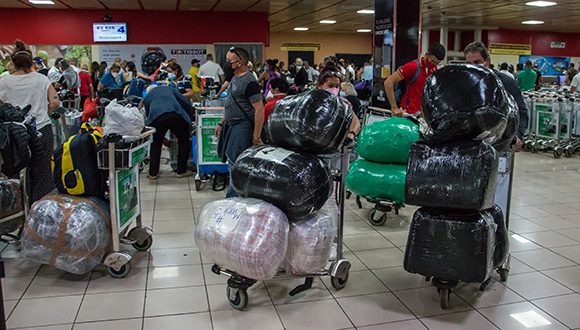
[
  {"x": 259, "y": 318},
  {"x": 178, "y": 322},
  {"x": 519, "y": 243},
  {"x": 397, "y": 279},
  {"x": 495, "y": 294},
  {"x": 554, "y": 222},
  {"x": 572, "y": 233},
  {"x": 173, "y": 214},
  {"x": 111, "y": 306},
  {"x": 323, "y": 314},
  {"x": 563, "y": 308},
  {"x": 52, "y": 327},
  {"x": 174, "y": 204},
  {"x": 359, "y": 283},
  {"x": 373, "y": 309},
  {"x": 9, "y": 306},
  {"x": 280, "y": 289},
  {"x": 14, "y": 287},
  {"x": 218, "y": 301},
  {"x": 522, "y": 316},
  {"x": 550, "y": 239},
  {"x": 172, "y": 241},
  {"x": 57, "y": 285},
  {"x": 355, "y": 263},
  {"x": 211, "y": 278},
  {"x": 172, "y": 227},
  {"x": 458, "y": 321},
  {"x": 131, "y": 324},
  {"x": 425, "y": 302},
  {"x": 102, "y": 282},
  {"x": 175, "y": 257},
  {"x": 398, "y": 238},
  {"x": 542, "y": 259},
  {"x": 174, "y": 277},
  {"x": 404, "y": 325},
  {"x": 357, "y": 228},
  {"x": 381, "y": 258},
  {"x": 535, "y": 286},
  {"x": 522, "y": 226},
  {"x": 570, "y": 276},
  {"x": 367, "y": 242},
  {"x": 570, "y": 252},
  {"x": 44, "y": 311},
  {"x": 20, "y": 267},
  {"x": 176, "y": 301}
]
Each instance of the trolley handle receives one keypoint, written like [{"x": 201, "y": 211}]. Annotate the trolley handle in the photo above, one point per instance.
[{"x": 414, "y": 118}]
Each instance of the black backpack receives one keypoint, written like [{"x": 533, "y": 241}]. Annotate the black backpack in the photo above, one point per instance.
[{"x": 402, "y": 86}]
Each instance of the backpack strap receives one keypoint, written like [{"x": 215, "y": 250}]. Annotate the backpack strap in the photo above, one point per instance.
[{"x": 414, "y": 78}]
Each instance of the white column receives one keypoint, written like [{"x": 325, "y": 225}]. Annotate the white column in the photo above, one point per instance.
[
  {"x": 424, "y": 41},
  {"x": 443, "y": 40},
  {"x": 477, "y": 35}
]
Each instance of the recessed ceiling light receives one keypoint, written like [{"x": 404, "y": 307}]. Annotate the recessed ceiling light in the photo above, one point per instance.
[
  {"x": 541, "y": 3},
  {"x": 300, "y": 29},
  {"x": 363, "y": 30},
  {"x": 327, "y": 21},
  {"x": 366, "y": 11},
  {"x": 532, "y": 22},
  {"x": 41, "y": 2}
]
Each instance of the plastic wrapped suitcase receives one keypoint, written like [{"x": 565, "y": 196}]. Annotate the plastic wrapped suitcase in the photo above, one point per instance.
[
  {"x": 388, "y": 141},
  {"x": 245, "y": 235},
  {"x": 459, "y": 176},
  {"x": 10, "y": 197},
  {"x": 453, "y": 245},
  {"x": 377, "y": 181}
]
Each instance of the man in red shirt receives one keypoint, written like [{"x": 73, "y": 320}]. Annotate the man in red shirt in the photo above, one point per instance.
[
  {"x": 86, "y": 88},
  {"x": 413, "y": 74}
]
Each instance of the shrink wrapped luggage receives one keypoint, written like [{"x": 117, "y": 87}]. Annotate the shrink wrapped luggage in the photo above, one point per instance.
[
  {"x": 513, "y": 122},
  {"x": 464, "y": 102},
  {"x": 388, "y": 141},
  {"x": 460, "y": 175},
  {"x": 247, "y": 236},
  {"x": 314, "y": 122},
  {"x": 298, "y": 184},
  {"x": 502, "y": 242},
  {"x": 70, "y": 233},
  {"x": 10, "y": 197},
  {"x": 310, "y": 241},
  {"x": 375, "y": 180},
  {"x": 451, "y": 245}
]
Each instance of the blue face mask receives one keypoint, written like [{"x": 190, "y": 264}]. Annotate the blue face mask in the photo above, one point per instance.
[
  {"x": 171, "y": 76},
  {"x": 342, "y": 93}
]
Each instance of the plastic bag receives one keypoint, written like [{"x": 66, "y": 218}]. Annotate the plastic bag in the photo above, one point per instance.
[
  {"x": 451, "y": 245},
  {"x": 298, "y": 184},
  {"x": 388, "y": 141},
  {"x": 247, "y": 236},
  {"x": 122, "y": 120},
  {"x": 464, "y": 102},
  {"x": 70, "y": 233},
  {"x": 310, "y": 241},
  {"x": 460, "y": 176},
  {"x": 10, "y": 197},
  {"x": 513, "y": 122},
  {"x": 375, "y": 180},
  {"x": 502, "y": 243},
  {"x": 315, "y": 122},
  {"x": 90, "y": 109}
]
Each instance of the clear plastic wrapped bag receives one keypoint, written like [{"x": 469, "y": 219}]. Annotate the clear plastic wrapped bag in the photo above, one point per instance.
[
  {"x": 245, "y": 235},
  {"x": 70, "y": 233},
  {"x": 315, "y": 122},
  {"x": 310, "y": 241},
  {"x": 10, "y": 197},
  {"x": 298, "y": 184},
  {"x": 122, "y": 120}
]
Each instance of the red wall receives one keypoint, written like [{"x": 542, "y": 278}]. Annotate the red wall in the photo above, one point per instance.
[{"x": 75, "y": 27}]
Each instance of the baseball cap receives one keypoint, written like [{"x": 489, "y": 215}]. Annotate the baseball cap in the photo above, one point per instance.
[{"x": 37, "y": 60}]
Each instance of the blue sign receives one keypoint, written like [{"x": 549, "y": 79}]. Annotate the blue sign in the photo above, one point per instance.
[{"x": 548, "y": 65}]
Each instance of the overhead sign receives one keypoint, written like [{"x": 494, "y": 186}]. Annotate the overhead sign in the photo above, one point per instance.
[
  {"x": 510, "y": 49},
  {"x": 557, "y": 44},
  {"x": 300, "y": 47},
  {"x": 110, "y": 32}
]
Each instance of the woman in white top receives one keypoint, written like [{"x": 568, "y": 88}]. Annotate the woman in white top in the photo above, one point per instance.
[{"x": 26, "y": 87}]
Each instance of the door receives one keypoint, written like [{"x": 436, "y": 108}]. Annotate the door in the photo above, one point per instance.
[{"x": 304, "y": 55}]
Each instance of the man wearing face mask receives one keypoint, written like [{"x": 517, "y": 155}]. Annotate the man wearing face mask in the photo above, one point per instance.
[
  {"x": 414, "y": 74},
  {"x": 54, "y": 73},
  {"x": 300, "y": 75},
  {"x": 241, "y": 126}
]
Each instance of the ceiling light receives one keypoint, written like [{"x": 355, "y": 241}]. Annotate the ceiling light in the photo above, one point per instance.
[
  {"x": 41, "y": 2},
  {"x": 532, "y": 22},
  {"x": 327, "y": 21},
  {"x": 300, "y": 29},
  {"x": 541, "y": 3},
  {"x": 366, "y": 11},
  {"x": 364, "y": 30}
]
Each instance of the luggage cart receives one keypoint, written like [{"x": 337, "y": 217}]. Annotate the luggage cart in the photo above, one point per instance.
[
  {"x": 125, "y": 153},
  {"x": 13, "y": 222},
  {"x": 502, "y": 198},
  {"x": 204, "y": 149},
  {"x": 339, "y": 268},
  {"x": 66, "y": 123}
]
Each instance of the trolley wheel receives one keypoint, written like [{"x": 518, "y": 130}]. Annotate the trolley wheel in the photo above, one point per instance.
[
  {"x": 348, "y": 194},
  {"x": 558, "y": 153},
  {"x": 238, "y": 298},
  {"x": 533, "y": 149},
  {"x": 569, "y": 151},
  {"x": 197, "y": 184},
  {"x": 145, "y": 245},
  {"x": 377, "y": 221},
  {"x": 339, "y": 283},
  {"x": 121, "y": 272},
  {"x": 444, "y": 295},
  {"x": 503, "y": 274}
]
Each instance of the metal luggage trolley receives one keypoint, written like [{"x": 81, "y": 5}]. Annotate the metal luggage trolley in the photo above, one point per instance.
[
  {"x": 338, "y": 270},
  {"x": 205, "y": 154},
  {"x": 126, "y": 153}
]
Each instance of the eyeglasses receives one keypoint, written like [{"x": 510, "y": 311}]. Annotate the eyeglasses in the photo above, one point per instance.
[
  {"x": 434, "y": 59},
  {"x": 328, "y": 74},
  {"x": 235, "y": 51}
]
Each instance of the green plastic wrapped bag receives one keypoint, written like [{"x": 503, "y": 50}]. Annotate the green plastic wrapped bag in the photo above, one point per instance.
[
  {"x": 388, "y": 141},
  {"x": 375, "y": 180}
]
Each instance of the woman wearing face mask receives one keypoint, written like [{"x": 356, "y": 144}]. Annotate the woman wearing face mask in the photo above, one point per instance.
[
  {"x": 349, "y": 93},
  {"x": 112, "y": 79},
  {"x": 330, "y": 80},
  {"x": 270, "y": 74},
  {"x": 178, "y": 80}
]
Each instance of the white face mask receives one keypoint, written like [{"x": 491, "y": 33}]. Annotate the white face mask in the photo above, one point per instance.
[
  {"x": 270, "y": 94},
  {"x": 115, "y": 74}
]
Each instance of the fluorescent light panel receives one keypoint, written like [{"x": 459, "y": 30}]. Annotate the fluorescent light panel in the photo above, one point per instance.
[
  {"x": 533, "y": 22},
  {"x": 41, "y": 2},
  {"x": 366, "y": 11},
  {"x": 541, "y": 3},
  {"x": 300, "y": 29},
  {"x": 364, "y": 30},
  {"x": 327, "y": 21}
]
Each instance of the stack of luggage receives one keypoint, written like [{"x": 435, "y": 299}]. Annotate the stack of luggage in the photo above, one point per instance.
[
  {"x": 384, "y": 150},
  {"x": 458, "y": 234},
  {"x": 284, "y": 217}
]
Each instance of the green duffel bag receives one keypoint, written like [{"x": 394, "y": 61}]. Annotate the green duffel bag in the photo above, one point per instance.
[
  {"x": 388, "y": 141},
  {"x": 377, "y": 181}
]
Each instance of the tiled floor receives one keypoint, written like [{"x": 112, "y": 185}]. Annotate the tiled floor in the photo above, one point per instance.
[{"x": 170, "y": 287}]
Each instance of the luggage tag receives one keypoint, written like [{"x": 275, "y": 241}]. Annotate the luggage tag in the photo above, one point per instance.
[
  {"x": 227, "y": 218},
  {"x": 275, "y": 154}
]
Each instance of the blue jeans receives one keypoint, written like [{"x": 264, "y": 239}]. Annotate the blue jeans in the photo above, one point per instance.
[{"x": 231, "y": 193}]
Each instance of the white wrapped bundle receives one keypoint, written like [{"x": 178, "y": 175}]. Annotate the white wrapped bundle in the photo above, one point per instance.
[
  {"x": 310, "y": 241},
  {"x": 245, "y": 235}
]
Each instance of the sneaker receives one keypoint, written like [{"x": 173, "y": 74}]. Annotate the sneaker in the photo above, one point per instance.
[
  {"x": 183, "y": 175},
  {"x": 152, "y": 177}
]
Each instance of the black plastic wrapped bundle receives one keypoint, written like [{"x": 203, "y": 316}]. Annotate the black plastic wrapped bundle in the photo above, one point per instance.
[
  {"x": 513, "y": 122},
  {"x": 315, "y": 122},
  {"x": 459, "y": 176},
  {"x": 502, "y": 244},
  {"x": 298, "y": 184},
  {"x": 464, "y": 102},
  {"x": 451, "y": 245}
]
